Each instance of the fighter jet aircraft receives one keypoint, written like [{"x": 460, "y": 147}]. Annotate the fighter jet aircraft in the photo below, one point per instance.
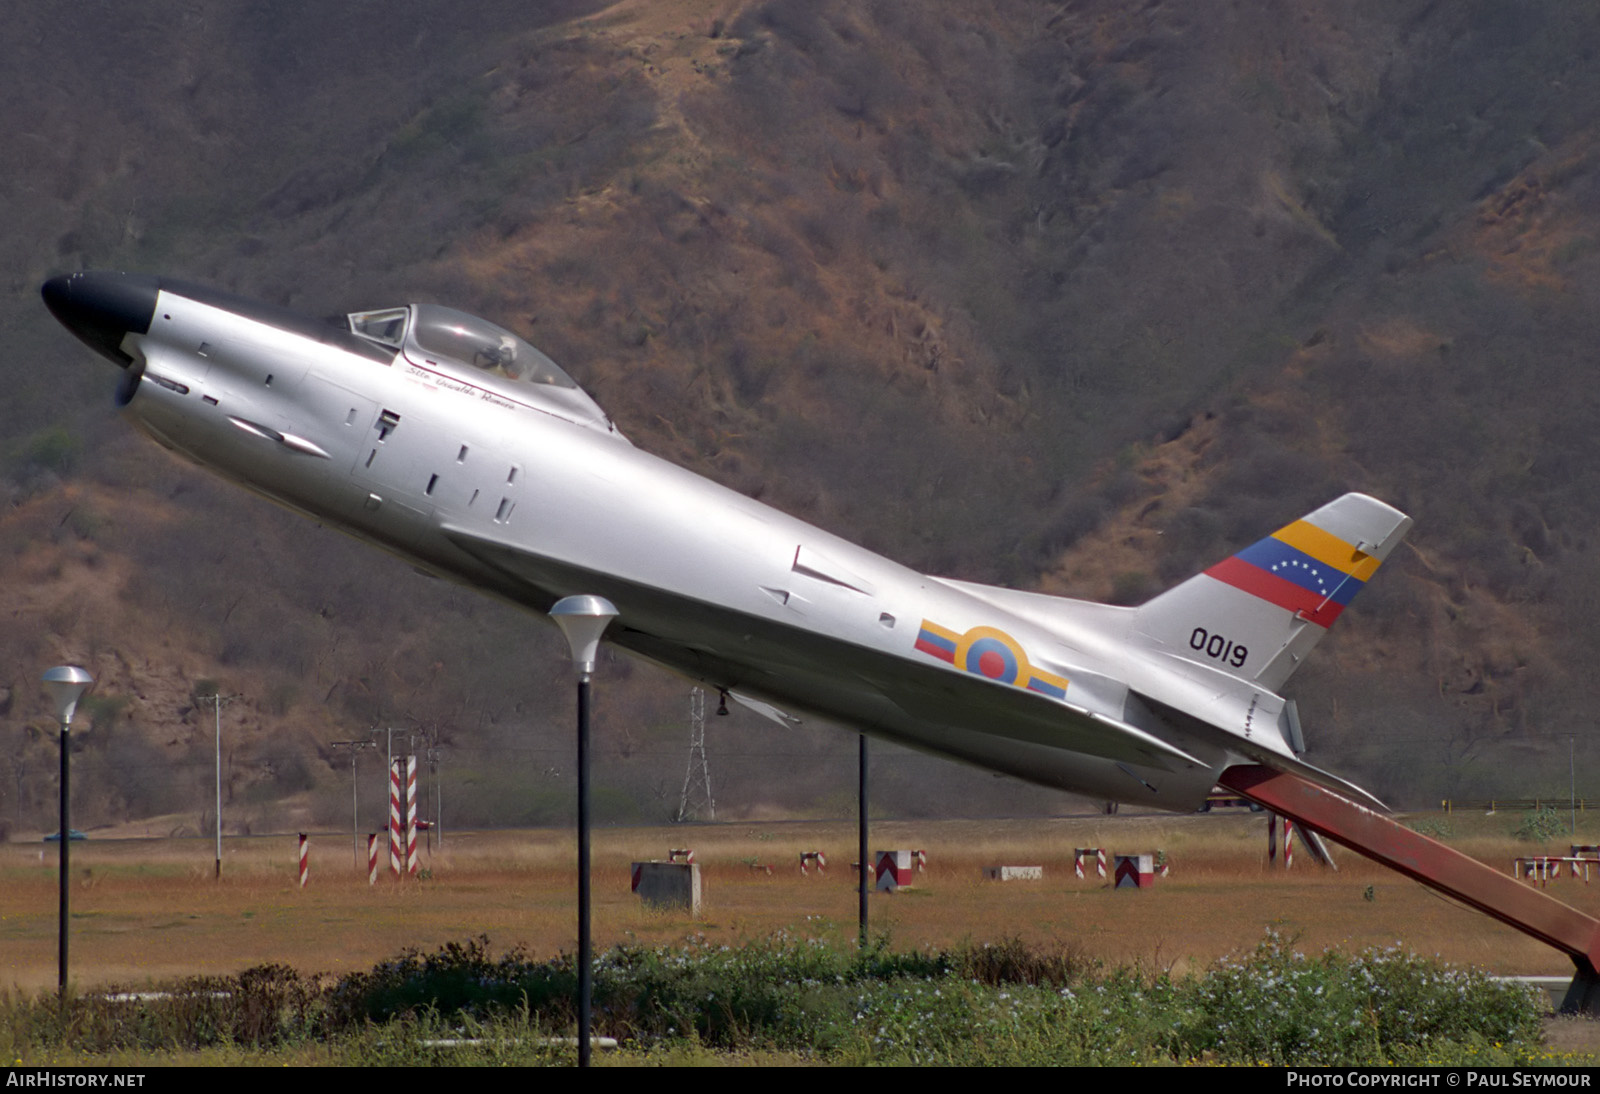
[{"x": 459, "y": 447}]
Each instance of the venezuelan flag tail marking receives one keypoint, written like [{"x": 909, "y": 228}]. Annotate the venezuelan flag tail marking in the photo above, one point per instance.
[
  {"x": 1301, "y": 569},
  {"x": 1258, "y": 613}
]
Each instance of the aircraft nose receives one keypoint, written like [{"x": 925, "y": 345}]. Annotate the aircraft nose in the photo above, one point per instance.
[{"x": 103, "y": 308}]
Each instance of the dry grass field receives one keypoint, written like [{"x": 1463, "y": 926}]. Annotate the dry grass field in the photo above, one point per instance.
[{"x": 149, "y": 909}]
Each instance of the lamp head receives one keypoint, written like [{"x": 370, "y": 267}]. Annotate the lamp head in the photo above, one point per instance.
[
  {"x": 583, "y": 619},
  {"x": 66, "y": 685}
]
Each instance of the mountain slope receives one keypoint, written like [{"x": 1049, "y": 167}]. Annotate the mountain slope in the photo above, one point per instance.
[{"x": 1078, "y": 297}]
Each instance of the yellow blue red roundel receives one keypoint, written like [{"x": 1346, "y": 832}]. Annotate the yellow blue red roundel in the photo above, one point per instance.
[{"x": 990, "y": 653}]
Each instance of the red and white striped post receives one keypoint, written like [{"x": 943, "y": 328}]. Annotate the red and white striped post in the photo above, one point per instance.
[
  {"x": 305, "y": 859},
  {"x": 680, "y": 854},
  {"x": 395, "y": 834},
  {"x": 807, "y": 858},
  {"x": 1288, "y": 843},
  {"x": 411, "y": 816},
  {"x": 1080, "y": 855},
  {"x": 372, "y": 858}
]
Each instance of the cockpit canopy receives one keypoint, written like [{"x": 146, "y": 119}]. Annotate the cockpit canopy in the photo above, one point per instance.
[{"x": 429, "y": 334}]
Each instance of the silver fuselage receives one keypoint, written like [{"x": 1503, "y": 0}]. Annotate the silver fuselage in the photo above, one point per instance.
[{"x": 532, "y": 499}]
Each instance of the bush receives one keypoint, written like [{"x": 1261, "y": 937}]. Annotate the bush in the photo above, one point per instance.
[
  {"x": 991, "y": 1004},
  {"x": 1281, "y": 1007},
  {"x": 1001, "y": 1004},
  {"x": 1540, "y": 825}
]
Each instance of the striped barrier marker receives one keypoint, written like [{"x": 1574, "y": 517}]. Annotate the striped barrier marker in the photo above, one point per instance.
[
  {"x": 1134, "y": 872},
  {"x": 1080, "y": 855},
  {"x": 894, "y": 871},
  {"x": 372, "y": 858},
  {"x": 680, "y": 854},
  {"x": 305, "y": 859},
  {"x": 395, "y": 835},
  {"x": 810, "y": 858},
  {"x": 1539, "y": 869},
  {"x": 411, "y": 816},
  {"x": 1288, "y": 843}
]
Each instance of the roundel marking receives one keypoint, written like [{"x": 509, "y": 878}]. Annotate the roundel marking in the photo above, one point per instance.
[{"x": 991, "y": 654}]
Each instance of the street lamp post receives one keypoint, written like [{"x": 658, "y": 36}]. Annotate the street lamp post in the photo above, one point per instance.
[
  {"x": 217, "y": 700},
  {"x": 66, "y": 685},
  {"x": 861, "y": 835},
  {"x": 583, "y": 619}
]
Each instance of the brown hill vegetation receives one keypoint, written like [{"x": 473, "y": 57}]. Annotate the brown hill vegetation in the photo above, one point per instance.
[{"x": 1074, "y": 296}]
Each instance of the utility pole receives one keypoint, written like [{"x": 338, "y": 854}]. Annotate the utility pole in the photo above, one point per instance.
[
  {"x": 356, "y": 748},
  {"x": 217, "y": 700},
  {"x": 388, "y": 755},
  {"x": 435, "y": 754}
]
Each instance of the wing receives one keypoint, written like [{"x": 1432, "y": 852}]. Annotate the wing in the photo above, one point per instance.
[{"x": 869, "y": 689}]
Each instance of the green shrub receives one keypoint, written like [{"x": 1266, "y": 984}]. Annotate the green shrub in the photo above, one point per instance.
[
  {"x": 1282, "y": 1007},
  {"x": 1540, "y": 825},
  {"x": 1001, "y": 1004}
]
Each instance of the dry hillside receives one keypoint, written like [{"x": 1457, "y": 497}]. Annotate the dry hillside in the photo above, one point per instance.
[{"x": 1075, "y": 296}]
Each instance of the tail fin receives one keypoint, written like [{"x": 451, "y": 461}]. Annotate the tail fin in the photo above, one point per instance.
[{"x": 1258, "y": 614}]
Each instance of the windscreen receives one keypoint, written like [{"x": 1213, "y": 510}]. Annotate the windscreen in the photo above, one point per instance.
[
  {"x": 387, "y": 326},
  {"x": 477, "y": 342}
]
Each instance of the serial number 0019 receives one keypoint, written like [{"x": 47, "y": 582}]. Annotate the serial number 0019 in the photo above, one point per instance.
[{"x": 1218, "y": 647}]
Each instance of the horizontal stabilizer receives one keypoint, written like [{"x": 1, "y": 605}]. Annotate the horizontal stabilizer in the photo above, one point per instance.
[
  {"x": 1194, "y": 720},
  {"x": 1294, "y": 765}
]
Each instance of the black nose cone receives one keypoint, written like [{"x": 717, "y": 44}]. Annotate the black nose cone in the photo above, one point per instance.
[{"x": 103, "y": 308}]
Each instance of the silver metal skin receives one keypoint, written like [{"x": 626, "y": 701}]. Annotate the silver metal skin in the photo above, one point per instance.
[{"x": 457, "y": 446}]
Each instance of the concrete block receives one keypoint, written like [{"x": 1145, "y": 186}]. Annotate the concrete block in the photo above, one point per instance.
[{"x": 670, "y": 886}]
